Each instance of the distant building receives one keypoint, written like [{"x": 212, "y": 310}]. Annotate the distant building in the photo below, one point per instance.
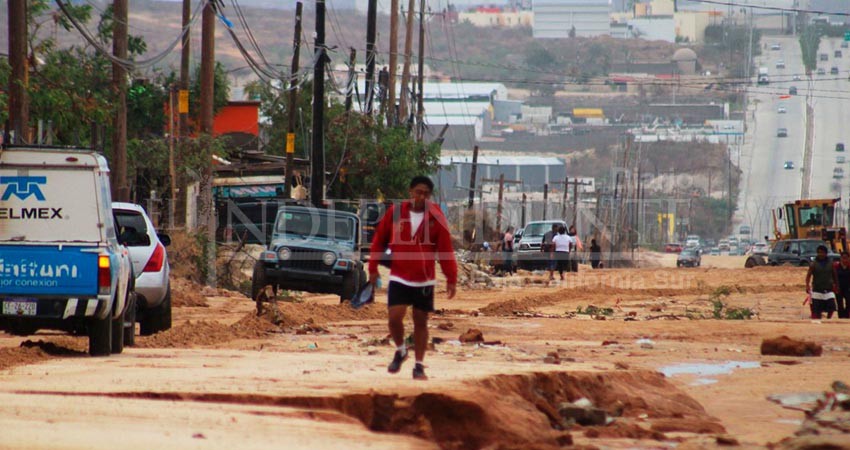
[
  {"x": 562, "y": 18},
  {"x": 485, "y": 17},
  {"x": 654, "y": 28},
  {"x": 534, "y": 171}
]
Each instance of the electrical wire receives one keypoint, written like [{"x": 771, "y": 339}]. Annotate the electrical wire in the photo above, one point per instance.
[
  {"x": 771, "y": 8},
  {"x": 129, "y": 64}
]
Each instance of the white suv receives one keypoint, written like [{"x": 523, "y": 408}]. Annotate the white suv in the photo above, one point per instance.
[{"x": 150, "y": 264}]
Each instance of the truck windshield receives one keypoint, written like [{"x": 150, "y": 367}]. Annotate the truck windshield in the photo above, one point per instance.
[
  {"x": 312, "y": 224},
  {"x": 536, "y": 229}
]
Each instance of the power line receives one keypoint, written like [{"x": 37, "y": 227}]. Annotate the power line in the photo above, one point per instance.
[{"x": 772, "y": 8}]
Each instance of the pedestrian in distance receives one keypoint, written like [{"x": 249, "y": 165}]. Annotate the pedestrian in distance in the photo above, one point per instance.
[
  {"x": 417, "y": 234},
  {"x": 575, "y": 247},
  {"x": 508, "y": 250},
  {"x": 820, "y": 284},
  {"x": 548, "y": 248},
  {"x": 562, "y": 243},
  {"x": 842, "y": 285},
  {"x": 595, "y": 254}
]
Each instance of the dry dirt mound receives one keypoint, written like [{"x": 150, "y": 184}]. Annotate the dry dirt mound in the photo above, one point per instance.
[
  {"x": 31, "y": 352},
  {"x": 186, "y": 292},
  {"x": 291, "y": 314}
]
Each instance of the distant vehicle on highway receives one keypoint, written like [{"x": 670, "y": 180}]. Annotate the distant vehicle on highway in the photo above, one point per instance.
[
  {"x": 839, "y": 147},
  {"x": 780, "y": 64},
  {"x": 689, "y": 257},
  {"x": 824, "y": 57},
  {"x": 760, "y": 248},
  {"x": 844, "y": 44},
  {"x": 745, "y": 229},
  {"x": 821, "y": 71},
  {"x": 775, "y": 47},
  {"x": 838, "y": 54},
  {"x": 796, "y": 78},
  {"x": 782, "y": 132},
  {"x": 833, "y": 70},
  {"x": 715, "y": 251},
  {"x": 839, "y": 160},
  {"x": 792, "y": 90},
  {"x": 672, "y": 247},
  {"x": 723, "y": 245},
  {"x": 789, "y": 165},
  {"x": 781, "y": 109},
  {"x": 838, "y": 172}
]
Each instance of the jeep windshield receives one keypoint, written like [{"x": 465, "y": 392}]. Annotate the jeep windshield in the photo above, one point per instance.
[
  {"x": 536, "y": 229},
  {"x": 311, "y": 224}
]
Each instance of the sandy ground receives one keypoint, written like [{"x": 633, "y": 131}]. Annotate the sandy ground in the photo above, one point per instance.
[{"x": 643, "y": 344}]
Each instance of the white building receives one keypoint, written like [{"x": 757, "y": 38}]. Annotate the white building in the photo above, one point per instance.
[{"x": 557, "y": 18}]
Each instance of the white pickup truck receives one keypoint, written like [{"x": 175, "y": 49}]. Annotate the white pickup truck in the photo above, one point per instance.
[{"x": 61, "y": 266}]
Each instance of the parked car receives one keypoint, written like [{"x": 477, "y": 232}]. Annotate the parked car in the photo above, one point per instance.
[
  {"x": 689, "y": 257},
  {"x": 528, "y": 253},
  {"x": 788, "y": 165},
  {"x": 672, "y": 247},
  {"x": 312, "y": 250},
  {"x": 782, "y": 132},
  {"x": 150, "y": 266},
  {"x": 760, "y": 248},
  {"x": 64, "y": 266},
  {"x": 796, "y": 252}
]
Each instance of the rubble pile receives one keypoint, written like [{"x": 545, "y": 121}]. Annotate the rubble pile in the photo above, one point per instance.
[
  {"x": 827, "y": 421},
  {"x": 473, "y": 276}
]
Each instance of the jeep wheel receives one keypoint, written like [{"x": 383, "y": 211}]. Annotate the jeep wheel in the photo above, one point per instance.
[
  {"x": 258, "y": 281},
  {"x": 350, "y": 284},
  {"x": 100, "y": 336},
  {"x": 159, "y": 318},
  {"x": 130, "y": 321},
  {"x": 117, "y": 338}
]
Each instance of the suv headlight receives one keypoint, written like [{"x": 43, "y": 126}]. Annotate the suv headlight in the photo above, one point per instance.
[
  {"x": 284, "y": 253},
  {"x": 524, "y": 246},
  {"x": 329, "y": 258}
]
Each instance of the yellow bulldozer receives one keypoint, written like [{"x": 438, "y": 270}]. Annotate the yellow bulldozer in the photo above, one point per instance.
[{"x": 806, "y": 219}]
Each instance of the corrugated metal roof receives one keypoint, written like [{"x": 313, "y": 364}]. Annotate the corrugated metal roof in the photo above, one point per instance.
[{"x": 503, "y": 160}]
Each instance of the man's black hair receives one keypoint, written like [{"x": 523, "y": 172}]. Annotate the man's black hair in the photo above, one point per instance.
[
  {"x": 422, "y": 179},
  {"x": 822, "y": 247}
]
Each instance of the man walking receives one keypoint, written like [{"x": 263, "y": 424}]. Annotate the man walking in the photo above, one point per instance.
[
  {"x": 417, "y": 233},
  {"x": 842, "y": 281},
  {"x": 820, "y": 283},
  {"x": 548, "y": 247}
]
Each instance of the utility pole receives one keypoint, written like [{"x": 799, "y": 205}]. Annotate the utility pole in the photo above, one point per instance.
[
  {"x": 172, "y": 169},
  {"x": 501, "y": 180},
  {"x": 371, "y": 32},
  {"x": 404, "y": 90},
  {"x": 524, "y": 206},
  {"x": 19, "y": 111},
  {"x": 545, "y": 199},
  {"x": 473, "y": 173},
  {"x": 184, "y": 70},
  {"x": 206, "y": 209},
  {"x": 420, "y": 108},
  {"x": 121, "y": 189},
  {"x": 349, "y": 90},
  {"x": 317, "y": 175},
  {"x": 393, "y": 62},
  {"x": 289, "y": 175}
]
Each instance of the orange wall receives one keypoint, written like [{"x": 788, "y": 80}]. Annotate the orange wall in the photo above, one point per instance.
[{"x": 240, "y": 117}]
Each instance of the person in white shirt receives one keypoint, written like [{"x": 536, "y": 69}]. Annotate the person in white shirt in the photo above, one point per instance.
[{"x": 562, "y": 242}]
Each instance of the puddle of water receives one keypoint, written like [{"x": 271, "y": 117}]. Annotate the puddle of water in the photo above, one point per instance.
[
  {"x": 703, "y": 381},
  {"x": 790, "y": 421},
  {"x": 708, "y": 369}
]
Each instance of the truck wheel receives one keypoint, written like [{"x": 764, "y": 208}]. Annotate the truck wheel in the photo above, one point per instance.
[
  {"x": 130, "y": 321},
  {"x": 100, "y": 336},
  {"x": 159, "y": 318},
  {"x": 350, "y": 284},
  {"x": 258, "y": 280},
  {"x": 117, "y": 338}
]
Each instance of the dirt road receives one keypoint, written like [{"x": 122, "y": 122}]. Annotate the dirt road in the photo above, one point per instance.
[{"x": 651, "y": 347}]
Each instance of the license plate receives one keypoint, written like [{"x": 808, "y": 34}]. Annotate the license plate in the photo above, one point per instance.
[{"x": 19, "y": 307}]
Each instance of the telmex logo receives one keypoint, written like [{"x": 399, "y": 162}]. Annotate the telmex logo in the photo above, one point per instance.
[{"x": 23, "y": 187}]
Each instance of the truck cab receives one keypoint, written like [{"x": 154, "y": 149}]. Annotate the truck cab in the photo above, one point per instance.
[
  {"x": 61, "y": 265},
  {"x": 312, "y": 250}
]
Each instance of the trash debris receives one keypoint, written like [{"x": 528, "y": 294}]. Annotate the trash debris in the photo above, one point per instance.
[
  {"x": 726, "y": 440},
  {"x": 645, "y": 343},
  {"x": 472, "y": 335},
  {"x": 552, "y": 358},
  {"x": 446, "y": 326},
  {"x": 583, "y": 413},
  {"x": 827, "y": 418},
  {"x": 785, "y": 346}
]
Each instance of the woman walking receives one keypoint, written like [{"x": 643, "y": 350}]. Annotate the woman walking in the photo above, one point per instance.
[{"x": 562, "y": 242}]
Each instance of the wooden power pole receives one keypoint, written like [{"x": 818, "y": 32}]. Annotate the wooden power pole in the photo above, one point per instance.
[
  {"x": 206, "y": 209},
  {"x": 317, "y": 175},
  {"x": 293, "y": 104},
  {"x": 185, "y": 54},
  {"x": 19, "y": 110},
  {"x": 349, "y": 89},
  {"x": 404, "y": 93},
  {"x": 391, "y": 112},
  {"x": 499, "y": 208},
  {"x": 371, "y": 32},
  {"x": 473, "y": 173},
  {"x": 120, "y": 187},
  {"x": 420, "y": 76}
]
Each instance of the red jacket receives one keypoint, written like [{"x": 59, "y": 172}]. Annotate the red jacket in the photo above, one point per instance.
[{"x": 414, "y": 254}]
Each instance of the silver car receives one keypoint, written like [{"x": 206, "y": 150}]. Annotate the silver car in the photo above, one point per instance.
[{"x": 150, "y": 266}]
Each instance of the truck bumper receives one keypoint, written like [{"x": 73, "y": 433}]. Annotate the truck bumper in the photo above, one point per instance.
[{"x": 65, "y": 314}]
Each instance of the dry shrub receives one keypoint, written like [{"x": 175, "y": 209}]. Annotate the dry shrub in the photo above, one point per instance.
[{"x": 184, "y": 254}]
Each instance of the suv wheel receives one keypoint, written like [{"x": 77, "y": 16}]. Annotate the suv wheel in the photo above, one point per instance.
[
  {"x": 159, "y": 318},
  {"x": 350, "y": 284}
]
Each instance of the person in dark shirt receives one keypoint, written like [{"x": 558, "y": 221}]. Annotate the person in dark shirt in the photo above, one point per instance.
[
  {"x": 548, "y": 247},
  {"x": 842, "y": 281},
  {"x": 820, "y": 284},
  {"x": 595, "y": 254}
]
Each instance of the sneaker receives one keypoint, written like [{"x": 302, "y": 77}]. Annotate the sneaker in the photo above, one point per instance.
[
  {"x": 398, "y": 359},
  {"x": 419, "y": 372}
]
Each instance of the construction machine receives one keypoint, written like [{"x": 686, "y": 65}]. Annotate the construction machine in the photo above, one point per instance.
[{"x": 806, "y": 219}]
